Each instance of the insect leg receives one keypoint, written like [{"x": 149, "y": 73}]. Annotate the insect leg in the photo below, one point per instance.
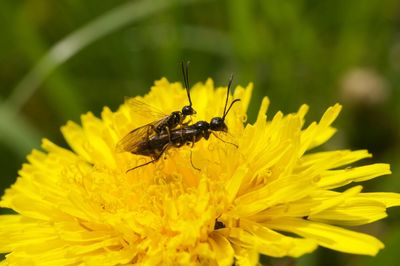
[
  {"x": 150, "y": 129},
  {"x": 169, "y": 134},
  {"x": 191, "y": 161},
  {"x": 191, "y": 153},
  {"x": 188, "y": 122},
  {"x": 224, "y": 140},
  {"x": 127, "y": 171},
  {"x": 193, "y": 141},
  {"x": 158, "y": 156}
]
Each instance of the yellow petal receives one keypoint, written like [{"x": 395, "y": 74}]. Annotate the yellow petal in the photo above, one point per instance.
[
  {"x": 331, "y": 159},
  {"x": 386, "y": 198},
  {"x": 222, "y": 248},
  {"x": 324, "y": 131},
  {"x": 352, "y": 213},
  {"x": 329, "y": 236},
  {"x": 269, "y": 242},
  {"x": 337, "y": 178}
]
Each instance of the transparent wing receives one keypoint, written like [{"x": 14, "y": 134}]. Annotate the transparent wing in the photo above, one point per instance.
[
  {"x": 131, "y": 141},
  {"x": 145, "y": 109}
]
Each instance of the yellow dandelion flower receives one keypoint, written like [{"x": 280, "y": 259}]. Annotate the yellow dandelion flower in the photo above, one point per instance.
[{"x": 268, "y": 196}]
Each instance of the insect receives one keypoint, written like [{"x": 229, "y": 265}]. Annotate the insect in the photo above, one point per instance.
[
  {"x": 162, "y": 124},
  {"x": 156, "y": 145}
]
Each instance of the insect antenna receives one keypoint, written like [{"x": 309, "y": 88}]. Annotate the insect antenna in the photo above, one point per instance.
[
  {"x": 227, "y": 96},
  {"x": 230, "y": 106},
  {"x": 185, "y": 73}
]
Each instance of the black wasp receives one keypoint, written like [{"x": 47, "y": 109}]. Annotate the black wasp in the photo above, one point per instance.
[
  {"x": 156, "y": 145},
  {"x": 162, "y": 125}
]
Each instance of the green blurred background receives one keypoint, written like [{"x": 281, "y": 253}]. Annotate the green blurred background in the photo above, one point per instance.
[{"x": 59, "y": 59}]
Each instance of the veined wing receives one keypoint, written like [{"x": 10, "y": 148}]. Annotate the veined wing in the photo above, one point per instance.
[
  {"x": 145, "y": 110},
  {"x": 137, "y": 136}
]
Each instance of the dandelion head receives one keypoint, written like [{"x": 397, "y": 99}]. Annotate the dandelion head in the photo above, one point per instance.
[{"x": 211, "y": 203}]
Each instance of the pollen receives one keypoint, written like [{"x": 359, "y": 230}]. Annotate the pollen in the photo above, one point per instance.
[{"x": 266, "y": 194}]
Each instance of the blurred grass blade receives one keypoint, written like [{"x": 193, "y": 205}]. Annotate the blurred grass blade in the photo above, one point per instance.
[
  {"x": 79, "y": 39},
  {"x": 16, "y": 132}
]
